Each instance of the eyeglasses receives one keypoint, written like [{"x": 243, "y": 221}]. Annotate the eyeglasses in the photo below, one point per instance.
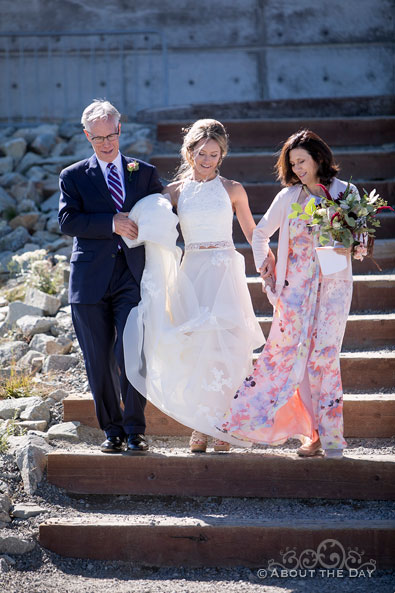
[{"x": 101, "y": 139}]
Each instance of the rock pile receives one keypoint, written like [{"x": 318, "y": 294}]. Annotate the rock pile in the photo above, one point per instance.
[{"x": 30, "y": 162}]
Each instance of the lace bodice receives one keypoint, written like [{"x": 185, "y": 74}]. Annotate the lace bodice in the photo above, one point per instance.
[{"x": 205, "y": 214}]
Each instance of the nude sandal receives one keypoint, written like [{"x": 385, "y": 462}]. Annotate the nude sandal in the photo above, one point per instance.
[{"x": 198, "y": 442}]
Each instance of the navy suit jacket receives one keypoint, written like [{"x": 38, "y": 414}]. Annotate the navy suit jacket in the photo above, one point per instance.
[{"x": 86, "y": 210}]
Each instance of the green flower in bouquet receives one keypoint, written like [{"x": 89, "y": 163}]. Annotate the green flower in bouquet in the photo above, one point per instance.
[{"x": 346, "y": 219}]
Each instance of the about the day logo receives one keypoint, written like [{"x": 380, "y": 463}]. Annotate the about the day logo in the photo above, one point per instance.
[{"x": 330, "y": 559}]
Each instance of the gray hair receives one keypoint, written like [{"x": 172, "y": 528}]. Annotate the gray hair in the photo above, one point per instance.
[{"x": 99, "y": 109}]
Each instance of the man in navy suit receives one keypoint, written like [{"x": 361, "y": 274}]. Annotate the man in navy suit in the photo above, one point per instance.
[{"x": 105, "y": 274}]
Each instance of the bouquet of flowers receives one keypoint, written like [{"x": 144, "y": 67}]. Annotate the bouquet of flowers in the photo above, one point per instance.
[{"x": 347, "y": 219}]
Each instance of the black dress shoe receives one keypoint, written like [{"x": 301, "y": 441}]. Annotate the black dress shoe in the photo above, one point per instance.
[
  {"x": 112, "y": 445},
  {"x": 137, "y": 443}
]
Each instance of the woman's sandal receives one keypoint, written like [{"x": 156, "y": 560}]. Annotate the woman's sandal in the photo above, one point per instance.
[
  {"x": 221, "y": 445},
  {"x": 198, "y": 442}
]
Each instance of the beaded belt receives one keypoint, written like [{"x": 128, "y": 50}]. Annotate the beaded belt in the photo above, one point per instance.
[{"x": 209, "y": 245}]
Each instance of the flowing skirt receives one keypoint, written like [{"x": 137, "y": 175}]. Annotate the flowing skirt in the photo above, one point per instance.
[{"x": 189, "y": 344}]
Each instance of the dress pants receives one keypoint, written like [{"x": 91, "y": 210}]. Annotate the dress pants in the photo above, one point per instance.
[{"x": 99, "y": 328}]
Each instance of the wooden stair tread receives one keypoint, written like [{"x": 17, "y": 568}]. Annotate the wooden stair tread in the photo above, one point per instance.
[
  {"x": 365, "y": 415},
  {"x": 215, "y": 545},
  {"x": 369, "y": 477}
]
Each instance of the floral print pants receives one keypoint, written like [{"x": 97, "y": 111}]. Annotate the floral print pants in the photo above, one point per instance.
[{"x": 296, "y": 384}]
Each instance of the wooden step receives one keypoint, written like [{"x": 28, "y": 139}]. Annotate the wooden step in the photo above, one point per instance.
[
  {"x": 369, "y": 477},
  {"x": 383, "y": 254},
  {"x": 365, "y": 416},
  {"x": 272, "y": 133},
  {"x": 368, "y": 371},
  {"x": 213, "y": 544},
  {"x": 362, "y": 331},
  {"x": 261, "y": 195},
  {"x": 257, "y": 167},
  {"x": 370, "y": 293}
]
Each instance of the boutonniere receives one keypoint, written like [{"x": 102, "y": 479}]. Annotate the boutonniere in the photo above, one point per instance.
[{"x": 132, "y": 167}]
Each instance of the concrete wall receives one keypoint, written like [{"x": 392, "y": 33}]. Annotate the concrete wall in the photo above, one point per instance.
[{"x": 227, "y": 50}]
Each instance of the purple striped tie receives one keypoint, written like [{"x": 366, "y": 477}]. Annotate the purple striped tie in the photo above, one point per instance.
[{"x": 115, "y": 186}]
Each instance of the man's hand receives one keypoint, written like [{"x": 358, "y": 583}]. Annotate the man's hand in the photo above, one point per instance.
[
  {"x": 124, "y": 226},
  {"x": 268, "y": 272}
]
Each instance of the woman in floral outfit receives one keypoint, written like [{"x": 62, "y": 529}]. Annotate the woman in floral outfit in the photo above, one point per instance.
[{"x": 296, "y": 388}]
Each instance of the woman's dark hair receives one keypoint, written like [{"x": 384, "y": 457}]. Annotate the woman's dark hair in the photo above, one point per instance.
[{"x": 319, "y": 151}]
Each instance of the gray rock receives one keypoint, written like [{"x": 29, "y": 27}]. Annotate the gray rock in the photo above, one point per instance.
[
  {"x": 58, "y": 395},
  {"x": 6, "y": 201},
  {"x": 59, "y": 244},
  {"x": 4, "y": 566},
  {"x": 50, "y": 345},
  {"x": 15, "y": 148},
  {"x": 44, "y": 143},
  {"x": 27, "y": 190},
  {"x": 31, "y": 459},
  {"x": 5, "y": 507},
  {"x": 29, "y": 133},
  {"x": 17, "y": 309},
  {"x": 68, "y": 130},
  {"x": 15, "y": 545},
  {"x": 36, "y": 425},
  {"x": 47, "y": 302},
  {"x": 9, "y": 179},
  {"x": 30, "y": 160},
  {"x": 32, "y": 361},
  {"x": 59, "y": 362},
  {"x": 12, "y": 351},
  {"x": 14, "y": 240},
  {"x": 11, "y": 408},
  {"x": 27, "y": 205},
  {"x": 141, "y": 146},
  {"x": 52, "y": 203},
  {"x": 53, "y": 224},
  {"x": 36, "y": 410},
  {"x": 5, "y": 228},
  {"x": 66, "y": 431},
  {"x": 44, "y": 237},
  {"x": 6, "y": 165},
  {"x": 26, "y": 510},
  {"x": 35, "y": 173},
  {"x": 32, "y": 324},
  {"x": 41, "y": 223},
  {"x": 27, "y": 220}
]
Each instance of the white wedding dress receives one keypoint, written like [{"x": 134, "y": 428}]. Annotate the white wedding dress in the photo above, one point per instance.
[{"x": 189, "y": 343}]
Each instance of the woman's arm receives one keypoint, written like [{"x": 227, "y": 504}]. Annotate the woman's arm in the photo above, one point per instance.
[
  {"x": 266, "y": 227},
  {"x": 173, "y": 191},
  {"x": 241, "y": 206}
]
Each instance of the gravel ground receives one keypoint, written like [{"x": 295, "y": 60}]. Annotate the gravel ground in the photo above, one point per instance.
[{"x": 43, "y": 572}]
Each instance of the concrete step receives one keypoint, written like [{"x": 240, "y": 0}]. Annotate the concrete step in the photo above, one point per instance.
[
  {"x": 224, "y": 543},
  {"x": 365, "y": 416},
  {"x": 383, "y": 254},
  {"x": 365, "y": 163},
  {"x": 385, "y": 231},
  {"x": 261, "y": 195},
  {"x": 370, "y": 293},
  {"x": 365, "y": 477},
  {"x": 271, "y": 133}
]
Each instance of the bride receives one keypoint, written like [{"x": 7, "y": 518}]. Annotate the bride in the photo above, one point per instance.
[{"x": 189, "y": 343}]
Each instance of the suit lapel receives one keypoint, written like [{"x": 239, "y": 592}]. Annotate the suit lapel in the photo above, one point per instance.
[
  {"x": 130, "y": 185},
  {"x": 96, "y": 176}
]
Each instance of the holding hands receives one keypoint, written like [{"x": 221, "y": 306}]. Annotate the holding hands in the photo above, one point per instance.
[{"x": 268, "y": 272}]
